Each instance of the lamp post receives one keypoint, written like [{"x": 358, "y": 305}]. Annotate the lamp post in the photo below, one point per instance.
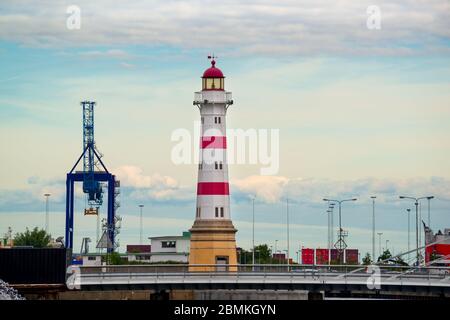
[
  {"x": 387, "y": 241},
  {"x": 331, "y": 207},
  {"x": 276, "y": 251},
  {"x": 429, "y": 217},
  {"x": 140, "y": 223},
  {"x": 287, "y": 228},
  {"x": 379, "y": 243},
  {"x": 373, "y": 226},
  {"x": 340, "y": 243},
  {"x": 409, "y": 230},
  {"x": 253, "y": 232},
  {"x": 416, "y": 203},
  {"x": 47, "y": 218},
  {"x": 329, "y": 211}
]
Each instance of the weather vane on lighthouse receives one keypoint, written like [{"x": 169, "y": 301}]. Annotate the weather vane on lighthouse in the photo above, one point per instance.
[{"x": 212, "y": 57}]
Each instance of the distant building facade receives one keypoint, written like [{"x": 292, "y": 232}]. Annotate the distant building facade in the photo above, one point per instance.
[{"x": 170, "y": 248}]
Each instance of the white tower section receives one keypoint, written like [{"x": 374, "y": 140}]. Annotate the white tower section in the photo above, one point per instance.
[{"x": 213, "y": 200}]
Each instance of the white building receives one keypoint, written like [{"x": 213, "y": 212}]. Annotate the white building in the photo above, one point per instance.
[
  {"x": 170, "y": 248},
  {"x": 92, "y": 260}
]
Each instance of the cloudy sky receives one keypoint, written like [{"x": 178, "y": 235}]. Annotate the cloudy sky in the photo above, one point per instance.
[{"x": 360, "y": 111}]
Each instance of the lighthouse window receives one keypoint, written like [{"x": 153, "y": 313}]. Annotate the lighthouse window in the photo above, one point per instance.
[
  {"x": 198, "y": 212},
  {"x": 213, "y": 83},
  {"x": 221, "y": 212},
  {"x": 217, "y": 212},
  {"x": 215, "y": 119},
  {"x": 215, "y": 165},
  {"x": 218, "y": 119},
  {"x": 220, "y": 165}
]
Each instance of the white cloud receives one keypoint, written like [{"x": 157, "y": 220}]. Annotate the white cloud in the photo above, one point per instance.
[
  {"x": 265, "y": 188},
  {"x": 112, "y": 53},
  {"x": 264, "y": 27},
  {"x": 133, "y": 176},
  {"x": 271, "y": 189}
]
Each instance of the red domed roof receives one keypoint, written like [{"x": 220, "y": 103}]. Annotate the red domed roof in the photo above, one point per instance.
[{"x": 213, "y": 72}]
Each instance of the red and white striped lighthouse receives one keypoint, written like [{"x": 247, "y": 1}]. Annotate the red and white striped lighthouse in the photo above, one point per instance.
[{"x": 213, "y": 234}]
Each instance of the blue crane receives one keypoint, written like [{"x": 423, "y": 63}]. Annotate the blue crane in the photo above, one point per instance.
[{"x": 93, "y": 181}]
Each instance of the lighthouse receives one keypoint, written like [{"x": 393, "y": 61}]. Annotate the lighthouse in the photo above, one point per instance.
[{"x": 213, "y": 239}]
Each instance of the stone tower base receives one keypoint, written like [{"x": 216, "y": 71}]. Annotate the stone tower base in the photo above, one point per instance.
[{"x": 213, "y": 242}]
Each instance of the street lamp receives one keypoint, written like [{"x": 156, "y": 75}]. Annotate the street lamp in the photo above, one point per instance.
[
  {"x": 47, "y": 218},
  {"x": 140, "y": 224},
  {"x": 409, "y": 230},
  {"x": 373, "y": 226},
  {"x": 331, "y": 206},
  {"x": 429, "y": 218},
  {"x": 416, "y": 203},
  {"x": 253, "y": 232},
  {"x": 340, "y": 243},
  {"x": 276, "y": 251},
  {"x": 287, "y": 227},
  {"x": 379, "y": 243},
  {"x": 387, "y": 241},
  {"x": 329, "y": 211}
]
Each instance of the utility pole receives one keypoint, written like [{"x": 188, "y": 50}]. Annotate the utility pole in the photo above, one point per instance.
[
  {"x": 47, "y": 218},
  {"x": 140, "y": 224},
  {"x": 373, "y": 226}
]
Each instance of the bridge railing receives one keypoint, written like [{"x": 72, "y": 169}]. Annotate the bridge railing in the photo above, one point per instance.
[{"x": 269, "y": 269}]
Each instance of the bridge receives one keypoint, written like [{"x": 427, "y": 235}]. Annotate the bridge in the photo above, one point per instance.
[{"x": 337, "y": 280}]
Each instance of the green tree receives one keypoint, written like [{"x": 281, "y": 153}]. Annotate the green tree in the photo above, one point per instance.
[
  {"x": 367, "y": 259},
  {"x": 263, "y": 255},
  {"x": 37, "y": 238},
  {"x": 114, "y": 258},
  {"x": 386, "y": 255}
]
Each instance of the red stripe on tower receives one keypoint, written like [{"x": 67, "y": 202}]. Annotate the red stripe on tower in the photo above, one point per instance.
[
  {"x": 213, "y": 188},
  {"x": 213, "y": 142}
]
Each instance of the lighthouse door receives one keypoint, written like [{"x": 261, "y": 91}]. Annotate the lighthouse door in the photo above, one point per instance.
[{"x": 221, "y": 263}]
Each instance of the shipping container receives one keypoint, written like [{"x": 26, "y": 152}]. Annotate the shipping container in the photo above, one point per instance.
[
  {"x": 34, "y": 266},
  {"x": 322, "y": 256},
  {"x": 351, "y": 256},
  {"x": 334, "y": 254},
  {"x": 307, "y": 256}
]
